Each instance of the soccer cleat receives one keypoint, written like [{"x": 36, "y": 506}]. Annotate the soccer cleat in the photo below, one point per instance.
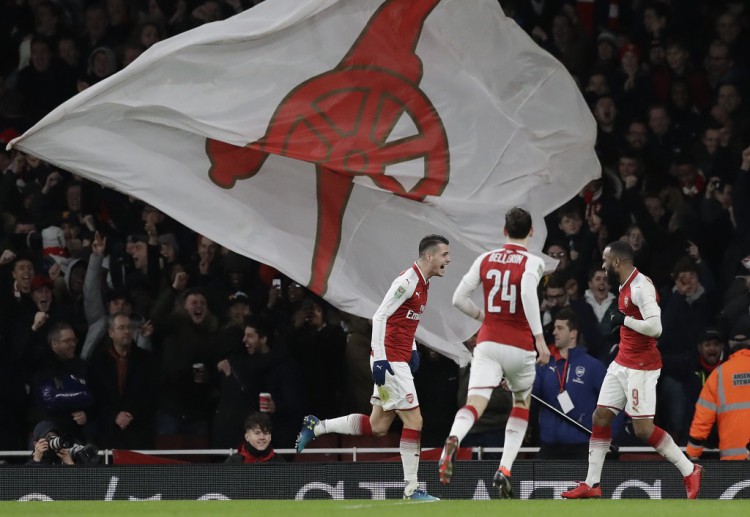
[
  {"x": 502, "y": 482},
  {"x": 307, "y": 433},
  {"x": 445, "y": 465},
  {"x": 693, "y": 482},
  {"x": 420, "y": 495},
  {"x": 583, "y": 491}
]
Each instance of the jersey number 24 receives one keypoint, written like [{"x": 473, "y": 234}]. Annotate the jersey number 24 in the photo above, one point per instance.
[{"x": 502, "y": 287}]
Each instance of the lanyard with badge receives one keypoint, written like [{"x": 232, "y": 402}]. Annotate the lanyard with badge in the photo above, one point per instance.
[{"x": 563, "y": 398}]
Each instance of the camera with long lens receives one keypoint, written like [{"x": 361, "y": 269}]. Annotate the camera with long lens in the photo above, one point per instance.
[
  {"x": 85, "y": 454},
  {"x": 58, "y": 443}
]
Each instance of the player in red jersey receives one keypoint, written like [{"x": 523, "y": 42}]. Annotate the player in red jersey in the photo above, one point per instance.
[
  {"x": 394, "y": 352},
  {"x": 511, "y": 332},
  {"x": 630, "y": 383}
]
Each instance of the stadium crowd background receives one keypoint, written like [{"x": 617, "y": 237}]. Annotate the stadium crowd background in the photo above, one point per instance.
[{"x": 666, "y": 81}]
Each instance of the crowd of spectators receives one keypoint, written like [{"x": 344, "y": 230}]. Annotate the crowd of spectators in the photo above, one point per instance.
[{"x": 127, "y": 329}]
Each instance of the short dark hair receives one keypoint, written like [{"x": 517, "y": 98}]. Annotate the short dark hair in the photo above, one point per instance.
[
  {"x": 517, "y": 223},
  {"x": 55, "y": 330},
  {"x": 593, "y": 271},
  {"x": 557, "y": 242},
  {"x": 429, "y": 241},
  {"x": 569, "y": 315},
  {"x": 261, "y": 325},
  {"x": 622, "y": 250},
  {"x": 118, "y": 293},
  {"x": 22, "y": 257},
  {"x": 569, "y": 209},
  {"x": 685, "y": 265},
  {"x": 556, "y": 281},
  {"x": 261, "y": 420},
  {"x": 194, "y": 291}
]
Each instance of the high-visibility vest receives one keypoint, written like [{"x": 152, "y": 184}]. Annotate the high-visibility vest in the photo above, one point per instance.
[{"x": 724, "y": 399}]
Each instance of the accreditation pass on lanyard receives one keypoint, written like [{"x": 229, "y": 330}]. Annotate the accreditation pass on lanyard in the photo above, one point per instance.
[{"x": 566, "y": 404}]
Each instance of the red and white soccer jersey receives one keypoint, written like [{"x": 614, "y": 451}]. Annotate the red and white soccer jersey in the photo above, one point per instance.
[
  {"x": 638, "y": 351},
  {"x": 631, "y": 378},
  {"x": 501, "y": 272},
  {"x": 396, "y": 320}
]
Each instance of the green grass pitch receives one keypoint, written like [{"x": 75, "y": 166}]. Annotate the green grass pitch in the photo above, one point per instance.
[{"x": 389, "y": 508}]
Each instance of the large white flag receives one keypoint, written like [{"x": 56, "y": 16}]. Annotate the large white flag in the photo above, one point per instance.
[{"x": 326, "y": 137}]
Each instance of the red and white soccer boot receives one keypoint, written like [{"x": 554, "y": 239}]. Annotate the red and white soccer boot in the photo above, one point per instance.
[
  {"x": 693, "y": 482},
  {"x": 583, "y": 491}
]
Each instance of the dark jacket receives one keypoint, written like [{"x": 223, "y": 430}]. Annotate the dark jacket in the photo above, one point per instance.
[
  {"x": 59, "y": 389},
  {"x": 249, "y": 454},
  {"x": 582, "y": 378},
  {"x": 251, "y": 375},
  {"x": 136, "y": 398},
  {"x": 184, "y": 344}
]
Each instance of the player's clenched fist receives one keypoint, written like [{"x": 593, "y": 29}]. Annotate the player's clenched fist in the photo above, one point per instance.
[{"x": 378, "y": 371}]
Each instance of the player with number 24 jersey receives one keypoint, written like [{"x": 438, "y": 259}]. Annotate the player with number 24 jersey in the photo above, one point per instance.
[
  {"x": 507, "y": 343},
  {"x": 500, "y": 273}
]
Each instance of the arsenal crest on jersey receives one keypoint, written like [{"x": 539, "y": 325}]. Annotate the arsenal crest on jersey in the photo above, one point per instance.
[{"x": 626, "y": 301}]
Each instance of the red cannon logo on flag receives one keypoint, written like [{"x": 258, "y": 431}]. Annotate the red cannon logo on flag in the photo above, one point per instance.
[{"x": 341, "y": 121}]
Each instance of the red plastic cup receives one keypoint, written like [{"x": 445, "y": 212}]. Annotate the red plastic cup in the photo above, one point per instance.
[{"x": 264, "y": 400}]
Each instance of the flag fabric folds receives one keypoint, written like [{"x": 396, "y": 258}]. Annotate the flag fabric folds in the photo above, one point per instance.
[{"x": 326, "y": 137}]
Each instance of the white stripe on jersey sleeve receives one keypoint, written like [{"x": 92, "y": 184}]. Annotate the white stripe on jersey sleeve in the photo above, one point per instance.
[{"x": 401, "y": 289}]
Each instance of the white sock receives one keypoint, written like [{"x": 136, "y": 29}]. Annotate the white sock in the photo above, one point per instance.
[
  {"x": 409, "y": 449},
  {"x": 601, "y": 437},
  {"x": 464, "y": 421},
  {"x": 515, "y": 431},
  {"x": 353, "y": 425},
  {"x": 664, "y": 445}
]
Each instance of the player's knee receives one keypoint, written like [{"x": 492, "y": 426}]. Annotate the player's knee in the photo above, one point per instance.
[
  {"x": 602, "y": 417},
  {"x": 643, "y": 429},
  {"x": 416, "y": 422},
  {"x": 379, "y": 427}
]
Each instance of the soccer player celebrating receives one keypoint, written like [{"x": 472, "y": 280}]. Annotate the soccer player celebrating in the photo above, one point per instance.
[
  {"x": 505, "y": 347},
  {"x": 394, "y": 360},
  {"x": 630, "y": 382}
]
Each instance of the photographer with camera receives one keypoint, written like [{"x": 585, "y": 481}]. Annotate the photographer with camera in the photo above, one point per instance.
[{"x": 51, "y": 448}]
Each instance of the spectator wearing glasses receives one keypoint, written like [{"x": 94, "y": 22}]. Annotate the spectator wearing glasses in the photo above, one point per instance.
[
  {"x": 558, "y": 250},
  {"x": 60, "y": 390}
]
